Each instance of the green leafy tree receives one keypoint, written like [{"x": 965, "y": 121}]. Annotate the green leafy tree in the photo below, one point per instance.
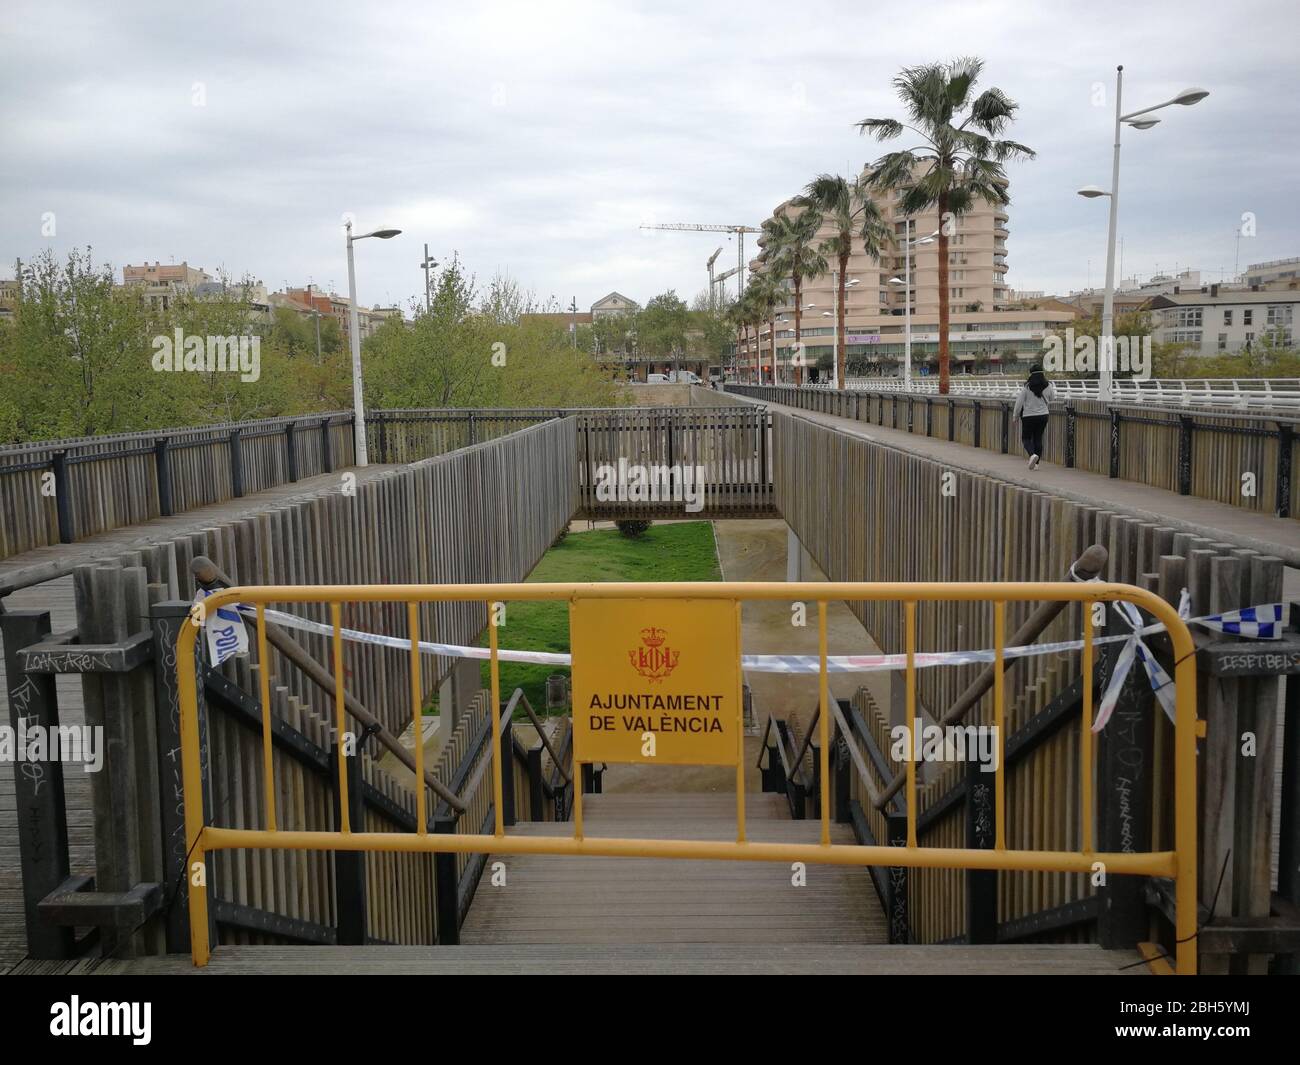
[
  {"x": 959, "y": 161},
  {"x": 662, "y": 325}
]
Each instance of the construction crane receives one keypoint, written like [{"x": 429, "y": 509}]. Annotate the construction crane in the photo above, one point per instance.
[
  {"x": 709, "y": 266},
  {"x": 726, "y": 274},
  {"x": 740, "y": 231}
]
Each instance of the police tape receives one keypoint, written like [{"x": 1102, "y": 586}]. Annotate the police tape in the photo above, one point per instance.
[{"x": 1263, "y": 622}]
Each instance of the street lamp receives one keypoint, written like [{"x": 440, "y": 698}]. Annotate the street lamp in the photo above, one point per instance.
[
  {"x": 1136, "y": 119},
  {"x": 908, "y": 244},
  {"x": 358, "y": 401},
  {"x": 834, "y": 313}
]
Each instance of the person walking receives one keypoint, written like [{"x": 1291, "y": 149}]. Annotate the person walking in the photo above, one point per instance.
[{"x": 1032, "y": 411}]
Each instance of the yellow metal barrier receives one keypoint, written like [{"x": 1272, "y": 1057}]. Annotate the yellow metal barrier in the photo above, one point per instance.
[{"x": 1178, "y": 864}]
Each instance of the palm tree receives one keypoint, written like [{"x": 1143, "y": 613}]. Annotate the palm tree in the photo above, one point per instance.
[
  {"x": 959, "y": 161},
  {"x": 735, "y": 314},
  {"x": 850, "y": 208},
  {"x": 767, "y": 294},
  {"x": 794, "y": 255}
]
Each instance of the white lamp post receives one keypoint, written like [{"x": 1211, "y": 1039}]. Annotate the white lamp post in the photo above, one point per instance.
[
  {"x": 1106, "y": 356},
  {"x": 835, "y": 314},
  {"x": 358, "y": 401},
  {"x": 906, "y": 281}
]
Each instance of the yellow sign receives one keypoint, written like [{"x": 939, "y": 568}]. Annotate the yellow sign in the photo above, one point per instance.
[{"x": 656, "y": 680}]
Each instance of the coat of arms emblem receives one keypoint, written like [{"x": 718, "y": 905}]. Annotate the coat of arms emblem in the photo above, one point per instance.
[{"x": 654, "y": 660}]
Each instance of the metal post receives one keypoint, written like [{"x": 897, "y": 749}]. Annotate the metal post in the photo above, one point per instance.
[
  {"x": 349, "y": 866},
  {"x": 290, "y": 450},
  {"x": 1285, "y": 441},
  {"x": 63, "y": 498},
  {"x": 236, "y": 464},
  {"x": 907, "y": 305},
  {"x": 1107, "y": 353},
  {"x": 163, "y": 474},
  {"x": 358, "y": 400},
  {"x": 1114, "y": 443},
  {"x": 166, "y": 619},
  {"x": 1184, "y": 455},
  {"x": 981, "y": 884},
  {"x": 1071, "y": 429},
  {"x": 38, "y": 786},
  {"x": 326, "y": 459}
]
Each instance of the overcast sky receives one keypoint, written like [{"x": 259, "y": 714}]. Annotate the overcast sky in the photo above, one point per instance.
[{"x": 533, "y": 138}]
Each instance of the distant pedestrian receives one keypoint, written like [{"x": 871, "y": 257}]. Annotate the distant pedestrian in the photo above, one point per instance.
[{"x": 1032, "y": 411}]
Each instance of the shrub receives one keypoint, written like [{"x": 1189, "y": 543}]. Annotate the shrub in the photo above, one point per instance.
[{"x": 633, "y": 529}]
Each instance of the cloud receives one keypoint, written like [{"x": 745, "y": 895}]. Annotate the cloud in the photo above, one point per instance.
[{"x": 534, "y": 138}]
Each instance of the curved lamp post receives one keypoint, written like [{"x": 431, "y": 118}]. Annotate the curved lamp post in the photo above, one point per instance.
[
  {"x": 358, "y": 401},
  {"x": 1136, "y": 119}
]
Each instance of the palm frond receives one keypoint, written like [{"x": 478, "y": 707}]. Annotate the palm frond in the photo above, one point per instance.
[{"x": 883, "y": 129}]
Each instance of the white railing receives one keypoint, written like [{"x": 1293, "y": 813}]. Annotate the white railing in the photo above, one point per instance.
[{"x": 1245, "y": 393}]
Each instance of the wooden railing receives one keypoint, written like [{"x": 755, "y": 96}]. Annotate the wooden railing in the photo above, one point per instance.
[
  {"x": 67, "y": 490},
  {"x": 724, "y": 451},
  {"x": 1246, "y": 460},
  {"x": 985, "y": 530},
  {"x": 61, "y": 491}
]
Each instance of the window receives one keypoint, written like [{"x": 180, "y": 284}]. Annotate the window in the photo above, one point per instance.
[
  {"x": 1227, "y": 317},
  {"x": 1187, "y": 316},
  {"x": 1250, "y": 337},
  {"x": 1223, "y": 341},
  {"x": 1248, "y": 317},
  {"x": 1185, "y": 336},
  {"x": 1279, "y": 314}
]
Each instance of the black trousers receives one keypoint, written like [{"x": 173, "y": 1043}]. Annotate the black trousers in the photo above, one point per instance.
[{"x": 1032, "y": 429}]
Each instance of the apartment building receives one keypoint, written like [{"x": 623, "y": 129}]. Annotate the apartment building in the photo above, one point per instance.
[
  {"x": 339, "y": 308},
  {"x": 1277, "y": 273},
  {"x": 9, "y": 294},
  {"x": 165, "y": 274},
  {"x": 1221, "y": 321},
  {"x": 986, "y": 328}
]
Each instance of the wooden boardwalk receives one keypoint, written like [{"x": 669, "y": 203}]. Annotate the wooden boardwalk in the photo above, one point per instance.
[
  {"x": 843, "y": 959},
  {"x": 621, "y": 901},
  {"x": 1204, "y": 517},
  {"x": 57, "y": 559}
]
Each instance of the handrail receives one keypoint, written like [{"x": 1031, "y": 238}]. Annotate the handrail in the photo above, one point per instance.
[
  {"x": 520, "y": 697},
  {"x": 1153, "y": 392},
  {"x": 208, "y": 575},
  {"x": 1087, "y": 567}
]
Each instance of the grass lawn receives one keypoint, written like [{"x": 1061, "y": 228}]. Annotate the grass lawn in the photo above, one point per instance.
[{"x": 681, "y": 552}]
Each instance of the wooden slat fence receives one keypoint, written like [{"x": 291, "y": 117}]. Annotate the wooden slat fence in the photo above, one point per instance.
[{"x": 1246, "y": 460}]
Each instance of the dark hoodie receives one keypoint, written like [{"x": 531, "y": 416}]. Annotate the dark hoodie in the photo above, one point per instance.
[{"x": 1037, "y": 382}]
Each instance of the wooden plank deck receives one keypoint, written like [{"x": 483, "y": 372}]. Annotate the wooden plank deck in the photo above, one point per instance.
[
  {"x": 619, "y": 901},
  {"x": 551, "y": 959}
]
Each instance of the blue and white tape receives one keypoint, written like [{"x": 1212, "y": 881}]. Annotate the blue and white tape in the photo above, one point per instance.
[{"x": 1271, "y": 629}]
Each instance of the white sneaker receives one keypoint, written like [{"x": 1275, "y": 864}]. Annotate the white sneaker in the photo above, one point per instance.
[{"x": 1033, "y": 462}]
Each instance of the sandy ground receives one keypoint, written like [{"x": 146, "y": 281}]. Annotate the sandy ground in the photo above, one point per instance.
[{"x": 756, "y": 551}]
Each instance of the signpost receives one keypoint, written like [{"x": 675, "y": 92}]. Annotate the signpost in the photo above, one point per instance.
[{"x": 656, "y": 681}]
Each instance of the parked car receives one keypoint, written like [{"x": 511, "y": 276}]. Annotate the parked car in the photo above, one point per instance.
[
  {"x": 684, "y": 377},
  {"x": 656, "y": 379}
]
